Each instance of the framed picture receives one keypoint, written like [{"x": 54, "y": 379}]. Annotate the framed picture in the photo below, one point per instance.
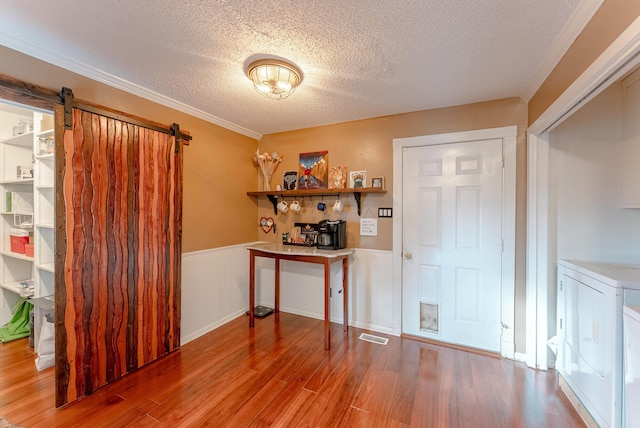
[
  {"x": 337, "y": 177},
  {"x": 377, "y": 182},
  {"x": 313, "y": 171},
  {"x": 290, "y": 180},
  {"x": 357, "y": 179}
]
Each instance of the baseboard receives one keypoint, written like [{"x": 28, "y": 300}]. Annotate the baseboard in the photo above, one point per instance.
[
  {"x": 576, "y": 403},
  {"x": 373, "y": 327},
  {"x": 208, "y": 328},
  {"x": 339, "y": 320},
  {"x": 453, "y": 346},
  {"x": 519, "y": 356}
]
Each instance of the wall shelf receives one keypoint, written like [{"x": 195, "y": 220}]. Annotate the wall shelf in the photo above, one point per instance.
[
  {"x": 17, "y": 256},
  {"x": 13, "y": 286},
  {"x": 18, "y": 181},
  {"x": 273, "y": 195},
  {"x": 24, "y": 140},
  {"x": 49, "y": 267}
]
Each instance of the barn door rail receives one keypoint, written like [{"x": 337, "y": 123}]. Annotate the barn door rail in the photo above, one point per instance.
[{"x": 67, "y": 99}]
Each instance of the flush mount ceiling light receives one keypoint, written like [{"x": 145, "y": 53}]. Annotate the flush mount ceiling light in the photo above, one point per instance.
[{"x": 274, "y": 78}]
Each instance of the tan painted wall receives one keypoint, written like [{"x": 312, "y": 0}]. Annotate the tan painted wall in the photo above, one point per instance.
[
  {"x": 613, "y": 17},
  {"x": 367, "y": 145},
  {"x": 217, "y": 165},
  {"x": 219, "y": 169}
]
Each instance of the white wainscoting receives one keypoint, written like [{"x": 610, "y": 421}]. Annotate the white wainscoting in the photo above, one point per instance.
[{"x": 215, "y": 289}]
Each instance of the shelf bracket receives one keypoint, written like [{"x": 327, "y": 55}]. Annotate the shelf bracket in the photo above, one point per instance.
[
  {"x": 358, "y": 198},
  {"x": 274, "y": 201}
]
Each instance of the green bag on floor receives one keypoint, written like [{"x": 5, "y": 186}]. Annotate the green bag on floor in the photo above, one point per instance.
[{"x": 18, "y": 327}]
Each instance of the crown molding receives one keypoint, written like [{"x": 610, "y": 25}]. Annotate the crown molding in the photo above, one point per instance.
[
  {"x": 579, "y": 20},
  {"x": 118, "y": 83}
]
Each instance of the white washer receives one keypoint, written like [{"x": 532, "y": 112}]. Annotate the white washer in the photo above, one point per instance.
[
  {"x": 631, "y": 322},
  {"x": 590, "y": 350}
]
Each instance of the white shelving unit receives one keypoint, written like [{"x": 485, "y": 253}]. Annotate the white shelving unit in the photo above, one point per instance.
[
  {"x": 44, "y": 203},
  {"x": 15, "y": 151},
  {"x": 32, "y": 149}
]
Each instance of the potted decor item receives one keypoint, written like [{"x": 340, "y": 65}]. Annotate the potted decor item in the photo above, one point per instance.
[{"x": 267, "y": 164}]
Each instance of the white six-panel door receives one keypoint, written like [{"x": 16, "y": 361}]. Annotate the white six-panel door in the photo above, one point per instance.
[{"x": 452, "y": 242}]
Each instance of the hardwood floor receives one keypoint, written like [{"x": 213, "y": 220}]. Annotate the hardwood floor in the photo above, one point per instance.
[{"x": 280, "y": 375}]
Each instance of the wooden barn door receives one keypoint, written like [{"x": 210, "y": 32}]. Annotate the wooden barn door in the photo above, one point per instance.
[{"x": 118, "y": 250}]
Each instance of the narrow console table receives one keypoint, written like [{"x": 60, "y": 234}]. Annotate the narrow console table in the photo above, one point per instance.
[{"x": 300, "y": 254}]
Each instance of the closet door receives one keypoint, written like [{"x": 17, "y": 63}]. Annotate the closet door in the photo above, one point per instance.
[{"x": 118, "y": 250}]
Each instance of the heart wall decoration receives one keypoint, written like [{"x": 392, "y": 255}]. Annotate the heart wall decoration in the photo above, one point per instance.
[{"x": 266, "y": 223}]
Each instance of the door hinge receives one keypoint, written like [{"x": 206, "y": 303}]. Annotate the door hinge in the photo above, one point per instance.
[
  {"x": 503, "y": 161},
  {"x": 560, "y": 285}
]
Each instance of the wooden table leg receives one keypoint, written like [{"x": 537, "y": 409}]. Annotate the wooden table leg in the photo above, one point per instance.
[
  {"x": 327, "y": 323},
  {"x": 277, "y": 286},
  {"x": 252, "y": 287},
  {"x": 345, "y": 291}
]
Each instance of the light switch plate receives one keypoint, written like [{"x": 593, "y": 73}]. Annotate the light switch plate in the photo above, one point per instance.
[{"x": 385, "y": 212}]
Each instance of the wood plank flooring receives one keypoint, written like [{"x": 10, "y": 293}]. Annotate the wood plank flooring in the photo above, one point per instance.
[{"x": 280, "y": 375}]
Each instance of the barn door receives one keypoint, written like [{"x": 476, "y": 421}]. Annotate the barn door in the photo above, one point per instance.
[{"x": 118, "y": 250}]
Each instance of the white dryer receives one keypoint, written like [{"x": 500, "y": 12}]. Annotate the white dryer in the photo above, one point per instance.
[
  {"x": 590, "y": 349},
  {"x": 631, "y": 323}
]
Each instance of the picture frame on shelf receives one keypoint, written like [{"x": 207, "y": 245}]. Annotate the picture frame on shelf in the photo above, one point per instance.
[
  {"x": 357, "y": 179},
  {"x": 290, "y": 180},
  {"x": 377, "y": 182},
  {"x": 313, "y": 170},
  {"x": 337, "y": 177}
]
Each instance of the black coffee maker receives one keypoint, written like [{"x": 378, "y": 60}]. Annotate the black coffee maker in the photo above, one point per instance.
[{"x": 332, "y": 234}]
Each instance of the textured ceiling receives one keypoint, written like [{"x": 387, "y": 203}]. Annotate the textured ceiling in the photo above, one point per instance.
[{"x": 360, "y": 58}]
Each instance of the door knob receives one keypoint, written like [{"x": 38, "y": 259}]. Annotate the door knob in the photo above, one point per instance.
[{"x": 408, "y": 255}]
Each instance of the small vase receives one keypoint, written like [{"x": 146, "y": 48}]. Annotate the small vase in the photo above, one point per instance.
[{"x": 265, "y": 182}]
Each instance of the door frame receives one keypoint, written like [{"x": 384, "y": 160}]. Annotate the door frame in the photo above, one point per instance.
[
  {"x": 508, "y": 135},
  {"x": 617, "y": 60}
]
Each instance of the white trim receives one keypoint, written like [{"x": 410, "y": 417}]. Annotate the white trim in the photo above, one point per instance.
[
  {"x": 210, "y": 327},
  {"x": 518, "y": 356},
  {"x": 119, "y": 83},
  {"x": 338, "y": 320},
  {"x": 617, "y": 60},
  {"x": 508, "y": 134},
  {"x": 579, "y": 19},
  {"x": 219, "y": 249},
  {"x": 396, "y": 264},
  {"x": 537, "y": 257}
]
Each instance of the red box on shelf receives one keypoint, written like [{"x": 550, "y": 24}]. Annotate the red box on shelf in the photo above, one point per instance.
[
  {"x": 28, "y": 250},
  {"x": 19, "y": 238}
]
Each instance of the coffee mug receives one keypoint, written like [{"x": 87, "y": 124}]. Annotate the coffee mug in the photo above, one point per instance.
[
  {"x": 322, "y": 206},
  {"x": 295, "y": 206},
  {"x": 283, "y": 206},
  {"x": 337, "y": 206}
]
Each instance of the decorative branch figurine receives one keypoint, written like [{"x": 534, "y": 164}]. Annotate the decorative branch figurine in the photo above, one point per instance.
[{"x": 267, "y": 164}]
